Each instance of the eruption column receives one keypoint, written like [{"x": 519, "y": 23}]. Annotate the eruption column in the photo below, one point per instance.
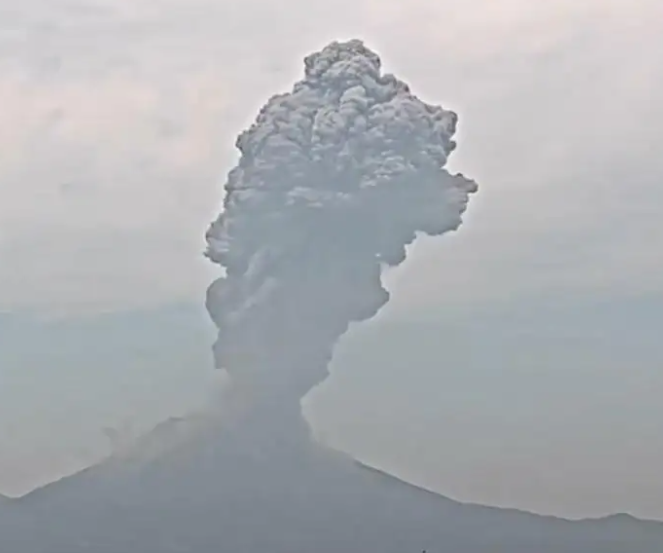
[{"x": 335, "y": 179}]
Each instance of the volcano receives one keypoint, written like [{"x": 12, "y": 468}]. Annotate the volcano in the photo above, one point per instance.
[
  {"x": 336, "y": 178},
  {"x": 237, "y": 487}
]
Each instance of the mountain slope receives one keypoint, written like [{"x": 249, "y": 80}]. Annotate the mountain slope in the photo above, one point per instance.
[{"x": 259, "y": 486}]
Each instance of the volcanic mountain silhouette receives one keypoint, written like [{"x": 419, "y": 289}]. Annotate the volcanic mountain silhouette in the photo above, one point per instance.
[{"x": 230, "y": 487}]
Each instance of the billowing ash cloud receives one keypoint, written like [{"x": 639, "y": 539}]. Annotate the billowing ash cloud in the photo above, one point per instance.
[{"x": 335, "y": 179}]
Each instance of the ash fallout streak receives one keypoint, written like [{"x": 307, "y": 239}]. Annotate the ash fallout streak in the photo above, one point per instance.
[{"x": 335, "y": 179}]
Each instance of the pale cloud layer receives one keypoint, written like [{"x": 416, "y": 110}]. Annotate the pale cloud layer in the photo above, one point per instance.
[{"x": 119, "y": 119}]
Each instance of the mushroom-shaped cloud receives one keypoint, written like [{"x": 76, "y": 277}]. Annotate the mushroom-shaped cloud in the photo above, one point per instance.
[{"x": 335, "y": 179}]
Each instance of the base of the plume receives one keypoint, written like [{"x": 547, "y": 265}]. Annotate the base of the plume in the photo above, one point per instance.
[{"x": 259, "y": 484}]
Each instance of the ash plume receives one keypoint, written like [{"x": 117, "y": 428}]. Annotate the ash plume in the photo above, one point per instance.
[{"x": 335, "y": 179}]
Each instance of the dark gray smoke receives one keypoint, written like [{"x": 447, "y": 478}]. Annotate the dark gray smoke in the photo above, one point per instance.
[{"x": 335, "y": 179}]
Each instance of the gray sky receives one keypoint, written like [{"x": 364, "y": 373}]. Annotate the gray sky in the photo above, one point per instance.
[{"x": 118, "y": 121}]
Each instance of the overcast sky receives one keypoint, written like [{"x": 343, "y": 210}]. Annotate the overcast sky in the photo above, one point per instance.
[{"x": 118, "y": 119}]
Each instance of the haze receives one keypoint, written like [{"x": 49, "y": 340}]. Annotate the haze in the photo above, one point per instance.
[{"x": 529, "y": 338}]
